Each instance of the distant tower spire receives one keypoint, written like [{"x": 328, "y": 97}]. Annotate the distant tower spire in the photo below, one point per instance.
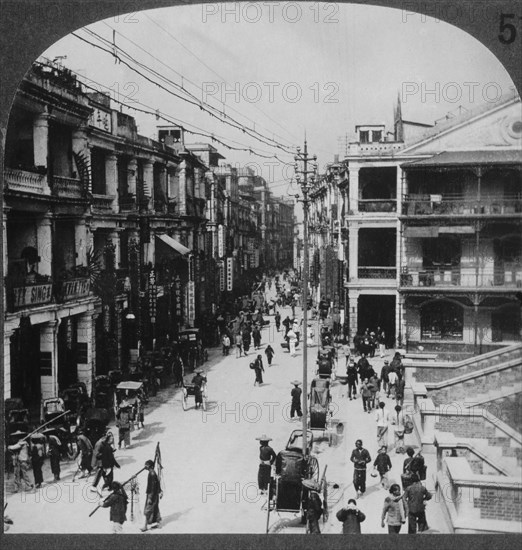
[{"x": 398, "y": 129}]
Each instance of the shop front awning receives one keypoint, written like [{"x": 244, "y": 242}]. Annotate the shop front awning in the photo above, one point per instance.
[
  {"x": 425, "y": 232},
  {"x": 174, "y": 244},
  {"x": 469, "y": 158}
]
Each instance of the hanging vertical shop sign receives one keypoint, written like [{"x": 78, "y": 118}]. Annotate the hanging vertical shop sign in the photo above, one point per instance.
[
  {"x": 222, "y": 276},
  {"x": 256, "y": 258},
  {"x": 191, "y": 267},
  {"x": 153, "y": 290},
  {"x": 191, "y": 302},
  {"x": 177, "y": 298},
  {"x": 221, "y": 241},
  {"x": 230, "y": 274}
]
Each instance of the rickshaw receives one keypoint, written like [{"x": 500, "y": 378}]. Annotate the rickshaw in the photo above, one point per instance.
[
  {"x": 102, "y": 392},
  {"x": 54, "y": 408},
  {"x": 76, "y": 401},
  {"x": 130, "y": 391},
  {"x": 189, "y": 389},
  {"x": 16, "y": 420},
  {"x": 319, "y": 405},
  {"x": 190, "y": 348},
  {"x": 286, "y": 492},
  {"x": 115, "y": 377},
  {"x": 95, "y": 423}
]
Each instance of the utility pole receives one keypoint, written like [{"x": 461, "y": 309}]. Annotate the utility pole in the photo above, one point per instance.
[{"x": 305, "y": 182}]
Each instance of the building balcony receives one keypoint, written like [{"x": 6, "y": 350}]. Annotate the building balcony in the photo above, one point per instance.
[
  {"x": 376, "y": 272},
  {"x": 102, "y": 202},
  {"x": 24, "y": 181},
  {"x": 127, "y": 203},
  {"x": 377, "y": 205},
  {"x": 458, "y": 205},
  {"x": 67, "y": 188},
  {"x": 455, "y": 278}
]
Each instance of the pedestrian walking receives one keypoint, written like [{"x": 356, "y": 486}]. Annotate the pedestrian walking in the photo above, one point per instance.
[
  {"x": 373, "y": 386},
  {"x": 366, "y": 395},
  {"x": 37, "y": 458},
  {"x": 351, "y": 374},
  {"x": 267, "y": 457},
  {"x": 239, "y": 345},
  {"x": 259, "y": 370},
  {"x": 140, "y": 407},
  {"x": 314, "y": 509},
  {"x": 123, "y": 423},
  {"x": 382, "y": 418},
  {"x": 117, "y": 501},
  {"x": 415, "y": 498},
  {"x": 55, "y": 452},
  {"x": 105, "y": 455},
  {"x": 384, "y": 376},
  {"x": 398, "y": 421},
  {"x": 269, "y": 352},
  {"x": 292, "y": 342},
  {"x": 21, "y": 458},
  {"x": 287, "y": 324},
  {"x": 154, "y": 494},
  {"x": 199, "y": 381},
  {"x": 247, "y": 340},
  {"x": 381, "y": 341},
  {"x": 383, "y": 465},
  {"x": 296, "y": 400},
  {"x": 277, "y": 320},
  {"x": 393, "y": 512},
  {"x": 226, "y": 344},
  {"x": 360, "y": 457},
  {"x": 256, "y": 336},
  {"x": 296, "y": 327},
  {"x": 400, "y": 386},
  {"x": 362, "y": 367},
  {"x": 84, "y": 451},
  {"x": 351, "y": 518},
  {"x": 392, "y": 384}
]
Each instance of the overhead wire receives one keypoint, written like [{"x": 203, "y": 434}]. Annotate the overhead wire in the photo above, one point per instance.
[{"x": 234, "y": 124}]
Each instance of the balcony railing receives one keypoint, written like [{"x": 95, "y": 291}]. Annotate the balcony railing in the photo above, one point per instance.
[
  {"x": 26, "y": 182},
  {"x": 127, "y": 203},
  {"x": 102, "y": 202},
  {"x": 459, "y": 205},
  {"x": 377, "y": 272},
  {"x": 71, "y": 188},
  {"x": 377, "y": 205},
  {"x": 457, "y": 276}
]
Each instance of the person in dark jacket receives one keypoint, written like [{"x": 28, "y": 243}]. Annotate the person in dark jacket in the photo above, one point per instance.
[
  {"x": 351, "y": 518},
  {"x": 384, "y": 376},
  {"x": 277, "y": 320},
  {"x": 55, "y": 452},
  {"x": 37, "y": 459},
  {"x": 351, "y": 373},
  {"x": 314, "y": 509},
  {"x": 85, "y": 450},
  {"x": 383, "y": 465},
  {"x": 247, "y": 340},
  {"x": 360, "y": 457},
  {"x": 362, "y": 366},
  {"x": 415, "y": 497},
  {"x": 117, "y": 502},
  {"x": 296, "y": 400},
  {"x": 267, "y": 457},
  {"x": 105, "y": 455},
  {"x": 198, "y": 380},
  {"x": 256, "y": 336},
  {"x": 154, "y": 493},
  {"x": 258, "y": 368},
  {"x": 269, "y": 352}
]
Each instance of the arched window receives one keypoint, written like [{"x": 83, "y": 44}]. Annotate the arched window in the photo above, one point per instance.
[{"x": 442, "y": 320}]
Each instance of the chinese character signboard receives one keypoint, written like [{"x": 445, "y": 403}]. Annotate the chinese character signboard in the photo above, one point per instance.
[
  {"x": 191, "y": 302},
  {"x": 221, "y": 241},
  {"x": 230, "y": 274},
  {"x": 177, "y": 298},
  {"x": 221, "y": 276},
  {"x": 152, "y": 295},
  {"x": 101, "y": 119}
]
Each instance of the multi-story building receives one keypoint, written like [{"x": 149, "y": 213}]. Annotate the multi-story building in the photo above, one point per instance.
[{"x": 429, "y": 219}]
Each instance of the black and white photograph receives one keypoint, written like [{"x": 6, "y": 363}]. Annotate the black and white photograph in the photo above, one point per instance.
[{"x": 262, "y": 273}]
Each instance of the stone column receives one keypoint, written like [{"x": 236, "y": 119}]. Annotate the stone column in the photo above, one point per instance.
[
  {"x": 111, "y": 179},
  {"x": 49, "y": 359},
  {"x": 183, "y": 188},
  {"x": 115, "y": 238},
  {"x": 351, "y": 314},
  {"x": 132, "y": 172},
  {"x": 353, "y": 251},
  {"x": 148, "y": 183},
  {"x": 44, "y": 246},
  {"x": 82, "y": 244},
  {"x": 353, "y": 190},
  {"x": 41, "y": 139},
  {"x": 401, "y": 190},
  {"x": 7, "y": 362},
  {"x": 86, "y": 354}
]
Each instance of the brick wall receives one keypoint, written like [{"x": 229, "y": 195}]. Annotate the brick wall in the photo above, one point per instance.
[
  {"x": 510, "y": 410},
  {"x": 465, "y": 426},
  {"x": 499, "y": 504}
]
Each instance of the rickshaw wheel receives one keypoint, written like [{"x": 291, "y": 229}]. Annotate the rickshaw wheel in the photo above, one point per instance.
[{"x": 312, "y": 471}]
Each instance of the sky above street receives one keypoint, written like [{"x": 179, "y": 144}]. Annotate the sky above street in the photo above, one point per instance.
[{"x": 284, "y": 69}]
